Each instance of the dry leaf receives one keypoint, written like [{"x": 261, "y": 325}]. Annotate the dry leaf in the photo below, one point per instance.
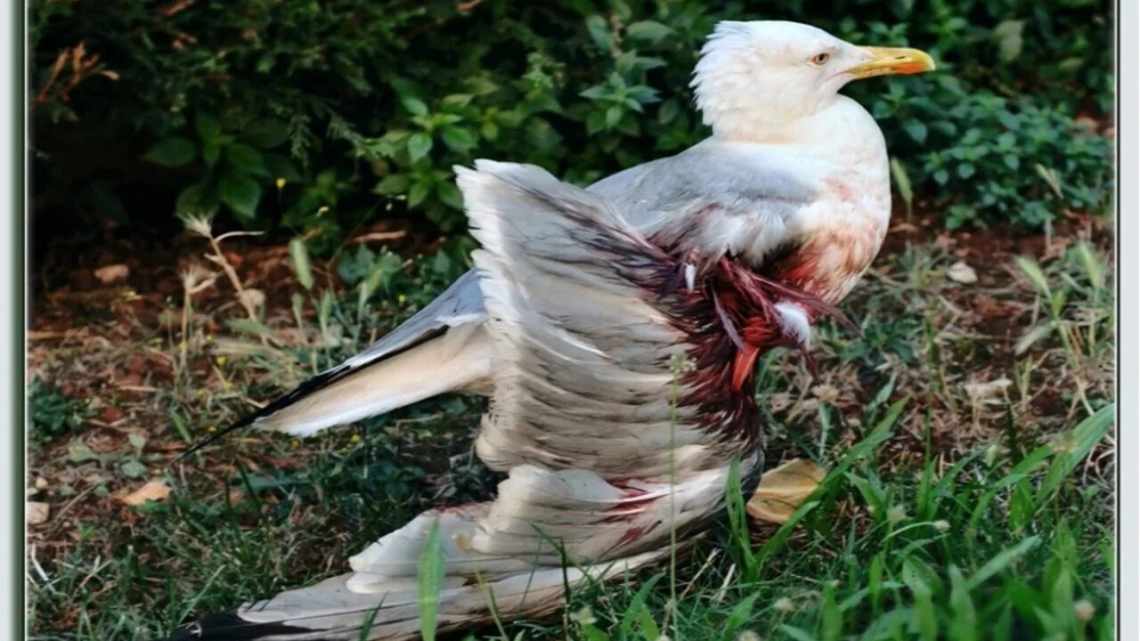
[
  {"x": 112, "y": 274},
  {"x": 254, "y": 298},
  {"x": 986, "y": 392},
  {"x": 36, "y": 512},
  {"x": 151, "y": 491},
  {"x": 960, "y": 272},
  {"x": 783, "y": 489}
]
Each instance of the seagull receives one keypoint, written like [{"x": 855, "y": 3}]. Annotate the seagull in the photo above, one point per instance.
[{"x": 615, "y": 329}]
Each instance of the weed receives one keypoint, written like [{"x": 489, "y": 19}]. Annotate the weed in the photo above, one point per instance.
[{"x": 53, "y": 414}]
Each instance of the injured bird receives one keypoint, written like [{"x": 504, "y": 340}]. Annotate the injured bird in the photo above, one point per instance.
[{"x": 580, "y": 305}]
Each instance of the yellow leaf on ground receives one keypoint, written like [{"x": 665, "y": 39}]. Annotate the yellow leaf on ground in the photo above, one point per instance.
[
  {"x": 151, "y": 491},
  {"x": 783, "y": 489}
]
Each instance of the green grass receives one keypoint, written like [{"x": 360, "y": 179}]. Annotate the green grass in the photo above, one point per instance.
[
  {"x": 986, "y": 549},
  {"x": 969, "y": 493}
]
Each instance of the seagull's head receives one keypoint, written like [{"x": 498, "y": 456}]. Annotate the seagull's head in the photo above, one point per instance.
[{"x": 767, "y": 74}]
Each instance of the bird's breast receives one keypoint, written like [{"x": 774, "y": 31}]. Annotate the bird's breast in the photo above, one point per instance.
[
  {"x": 830, "y": 261},
  {"x": 840, "y": 234}
]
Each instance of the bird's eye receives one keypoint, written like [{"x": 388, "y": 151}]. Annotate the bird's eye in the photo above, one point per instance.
[{"x": 820, "y": 58}]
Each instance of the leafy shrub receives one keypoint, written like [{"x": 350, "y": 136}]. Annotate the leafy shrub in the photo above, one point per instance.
[
  {"x": 323, "y": 116},
  {"x": 1020, "y": 163}
]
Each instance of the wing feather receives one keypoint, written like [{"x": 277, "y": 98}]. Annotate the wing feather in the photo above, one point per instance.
[{"x": 581, "y": 358}]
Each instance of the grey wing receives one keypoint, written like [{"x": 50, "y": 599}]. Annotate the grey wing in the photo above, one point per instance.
[
  {"x": 707, "y": 172},
  {"x": 649, "y": 196},
  {"x": 462, "y": 302},
  {"x": 459, "y": 304}
]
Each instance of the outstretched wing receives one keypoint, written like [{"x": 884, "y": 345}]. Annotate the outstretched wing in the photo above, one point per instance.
[
  {"x": 611, "y": 440},
  {"x": 591, "y": 324}
]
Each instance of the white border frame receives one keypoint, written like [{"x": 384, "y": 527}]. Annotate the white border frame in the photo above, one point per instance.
[
  {"x": 11, "y": 354},
  {"x": 1128, "y": 324},
  {"x": 1128, "y": 320}
]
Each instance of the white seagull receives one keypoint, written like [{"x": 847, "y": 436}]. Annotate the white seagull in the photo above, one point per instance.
[{"x": 615, "y": 329}]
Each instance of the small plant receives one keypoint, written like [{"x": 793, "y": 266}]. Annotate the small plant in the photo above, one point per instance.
[
  {"x": 236, "y": 162},
  {"x": 53, "y": 413},
  {"x": 1076, "y": 309}
]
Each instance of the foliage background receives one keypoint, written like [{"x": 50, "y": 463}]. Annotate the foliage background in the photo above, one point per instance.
[{"x": 316, "y": 117}]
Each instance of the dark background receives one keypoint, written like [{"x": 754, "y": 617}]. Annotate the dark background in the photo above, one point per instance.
[{"x": 323, "y": 117}]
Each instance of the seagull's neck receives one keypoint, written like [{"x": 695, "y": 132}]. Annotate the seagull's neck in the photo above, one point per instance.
[
  {"x": 839, "y": 145},
  {"x": 841, "y": 150},
  {"x": 842, "y": 132}
]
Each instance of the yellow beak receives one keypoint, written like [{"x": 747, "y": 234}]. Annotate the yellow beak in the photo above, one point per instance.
[{"x": 892, "y": 60}]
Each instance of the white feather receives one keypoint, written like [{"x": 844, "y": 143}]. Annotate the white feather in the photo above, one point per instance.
[{"x": 794, "y": 321}]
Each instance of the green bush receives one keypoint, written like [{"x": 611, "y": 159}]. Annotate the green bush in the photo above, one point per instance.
[
  {"x": 1015, "y": 162},
  {"x": 321, "y": 116}
]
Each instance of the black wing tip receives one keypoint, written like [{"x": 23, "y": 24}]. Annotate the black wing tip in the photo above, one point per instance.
[
  {"x": 211, "y": 439},
  {"x": 304, "y": 389},
  {"x": 230, "y": 627}
]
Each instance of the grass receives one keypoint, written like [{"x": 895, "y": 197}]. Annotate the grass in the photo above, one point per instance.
[
  {"x": 925, "y": 560},
  {"x": 967, "y": 431}
]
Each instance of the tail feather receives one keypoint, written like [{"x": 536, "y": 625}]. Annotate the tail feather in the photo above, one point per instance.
[
  {"x": 456, "y": 360},
  {"x": 453, "y": 359},
  {"x": 548, "y": 531},
  {"x": 231, "y": 627}
]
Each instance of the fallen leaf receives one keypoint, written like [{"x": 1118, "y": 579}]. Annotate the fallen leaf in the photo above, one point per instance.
[
  {"x": 36, "y": 512},
  {"x": 112, "y": 274},
  {"x": 783, "y": 489},
  {"x": 151, "y": 491},
  {"x": 985, "y": 392},
  {"x": 254, "y": 298},
  {"x": 960, "y": 272}
]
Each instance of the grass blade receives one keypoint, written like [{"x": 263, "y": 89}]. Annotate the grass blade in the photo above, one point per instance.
[
  {"x": 1019, "y": 472},
  {"x": 299, "y": 257},
  {"x": 1000, "y": 562},
  {"x": 636, "y": 607},
  {"x": 1033, "y": 272},
  {"x": 1077, "y": 445},
  {"x": 963, "y": 625},
  {"x": 796, "y": 633},
  {"x": 738, "y": 523},
  {"x": 881, "y": 432},
  {"x": 902, "y": 182},
  {"x": 366, "y": 627},
  {"x": 430, "y": 582}
]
